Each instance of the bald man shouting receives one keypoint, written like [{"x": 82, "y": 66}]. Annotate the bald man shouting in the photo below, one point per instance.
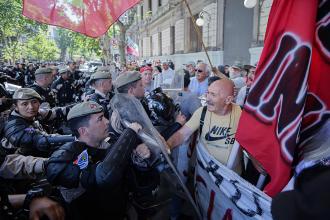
[{"x": 217, "y": 122}]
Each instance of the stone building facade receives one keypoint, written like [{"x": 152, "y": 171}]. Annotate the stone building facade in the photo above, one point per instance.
[{"x": 231, "y": 33}]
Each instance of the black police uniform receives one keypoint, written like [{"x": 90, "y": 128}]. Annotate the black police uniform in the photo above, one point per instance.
[
  {"x": 29, "y": 138},
  {"x": 94, "y": 175},
  {"x": 64, "y": 91},
  {"x": 47, "y": 95},
  {"x": 78, "y": 82},
  {"x": 29, "y": 77},
  {"x": 19, "y": 76},
  {"x": 103, "y": 101},
  {"x": 76, "y": 74}
]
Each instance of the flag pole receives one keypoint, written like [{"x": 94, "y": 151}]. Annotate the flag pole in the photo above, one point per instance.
[{"x": 199, "y": 35}]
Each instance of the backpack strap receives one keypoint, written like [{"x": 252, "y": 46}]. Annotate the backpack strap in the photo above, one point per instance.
[{"x": 201, "y": 120}]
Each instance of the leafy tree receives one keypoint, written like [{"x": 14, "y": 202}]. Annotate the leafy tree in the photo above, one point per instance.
[
  {"x": 13, "y": 51},
  {"x": 124, "y": 23},
  {"x": 19, "y": 37},
  {"x": 76, "y": 44},
  {"x": 86, "y": 46},
  {"x": 41, "y": 48},
  {"x": 64, "y": 41},
  {"x": 15, "y": 28}
]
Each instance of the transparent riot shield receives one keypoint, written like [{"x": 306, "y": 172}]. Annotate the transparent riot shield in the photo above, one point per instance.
[
  {"x": 170, "y": 86},
  {"x": 114, "y": 72},
  {"x": 11, "y": 88},
  {"x": 131, "y": 110}
]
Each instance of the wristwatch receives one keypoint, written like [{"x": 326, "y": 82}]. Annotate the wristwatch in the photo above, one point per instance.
[{"x": 32, "y": 194}]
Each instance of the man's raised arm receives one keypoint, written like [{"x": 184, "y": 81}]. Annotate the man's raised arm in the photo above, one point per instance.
[{"x": 179, "y": 137}]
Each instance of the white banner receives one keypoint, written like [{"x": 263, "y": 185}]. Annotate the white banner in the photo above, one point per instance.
[{"x": 222, "y": 194}]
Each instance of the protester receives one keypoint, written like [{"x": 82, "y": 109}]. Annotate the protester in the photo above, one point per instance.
[
  {"x": 220, "y": 119},
  {"x": 198, "y": 83}
]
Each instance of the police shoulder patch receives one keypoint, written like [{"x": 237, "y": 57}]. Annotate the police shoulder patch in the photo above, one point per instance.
[{"x": 82, "y": 160}]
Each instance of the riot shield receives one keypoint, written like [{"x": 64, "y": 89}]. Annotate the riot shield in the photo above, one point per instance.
[
  {"x": 11, "y": 87},
  {"x": 131, "y": 110},
  {"x": 170, "y": 87}
]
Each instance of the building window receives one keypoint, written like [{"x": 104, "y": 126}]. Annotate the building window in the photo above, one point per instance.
[
  {"x": 151, "y": 47},
  {"x": 160, "y": 43},
  {"x": 172, "y": 39},
  {"x": 159, "y": 3},
  {"x": 195, "y": 43},
  {"x": 149, "y": 5}
]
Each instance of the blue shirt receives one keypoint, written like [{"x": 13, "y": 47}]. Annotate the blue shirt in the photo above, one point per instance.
[{"x": 198, "y": 88}]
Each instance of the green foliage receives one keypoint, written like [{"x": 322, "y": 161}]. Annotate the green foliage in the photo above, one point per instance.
[
  {"x": 25, "y": 38},
  {"x": 113, "y": 31},
  {"x": 86, "y": 45},
  {"x": 15, "y": 28},
  {"x": 13, "y": 51},
  {"x": 13, "y": 23},
  {"x": 77, "y": 3},
  {"x": 40, "y": 48},
  {"x": 76, "y": 44}
]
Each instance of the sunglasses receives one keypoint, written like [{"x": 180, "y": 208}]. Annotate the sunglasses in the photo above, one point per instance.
[{"x": 200, "y": 71}]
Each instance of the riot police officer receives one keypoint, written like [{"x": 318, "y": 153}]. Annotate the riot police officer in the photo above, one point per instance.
[
  {"x": 72, "y": 67},
  {"x": 15, "y": 165},
  {"x": 43, "y": 80},
  {"x": 131, "y": 83},
  {"x": 101, "y": 81},
  {"x": 145, "y": 177},
  {"x": 92, "y": 174},
  {"x": 18, "y": 168},
  {"x": 79, "y": 79},
  {"x": 29, "y": 75},
  {"x": 19, "y": 73},
  {"x": 23, "y": 132},
  {"x": 63, "y": 89}
]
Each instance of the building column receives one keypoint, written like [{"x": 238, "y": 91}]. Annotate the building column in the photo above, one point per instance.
[
  {"x": 220, "y": 21},
  {"x": 187, "y": 36},
  {"x": 172, "y": 39}
]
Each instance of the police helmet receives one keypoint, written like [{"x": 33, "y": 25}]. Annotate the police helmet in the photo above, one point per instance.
[{"x": 161, "y": 107}]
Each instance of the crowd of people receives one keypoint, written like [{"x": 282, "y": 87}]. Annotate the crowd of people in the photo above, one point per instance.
[{"x": 67, "y": 154}]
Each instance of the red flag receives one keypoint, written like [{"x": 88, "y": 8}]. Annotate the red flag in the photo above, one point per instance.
[
  {"x": 132, "y": 51},
  {"x": 132, "y": 48},
  {"x": 272, "y": 119},
  {"x": 92, "y": 18}
]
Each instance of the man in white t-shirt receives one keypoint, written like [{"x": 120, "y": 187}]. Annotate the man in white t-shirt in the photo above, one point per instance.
[
  {"x": 166, "y": 76},
  {"x": 220, "y": 122}
]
